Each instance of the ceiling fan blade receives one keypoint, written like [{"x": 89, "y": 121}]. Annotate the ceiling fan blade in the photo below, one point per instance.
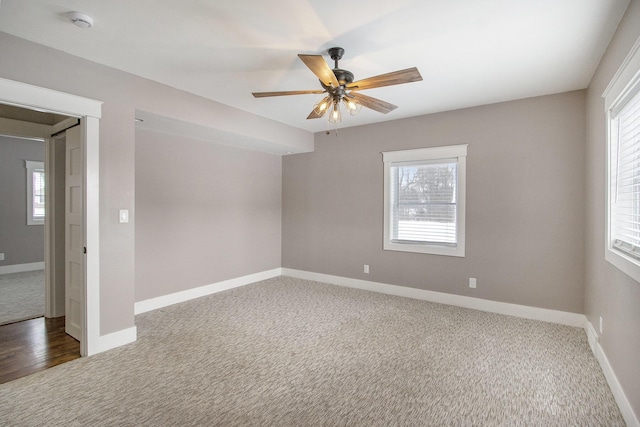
[
  {"x": 394, "y": 78},
  {"x": 373, "y": 103},
  {"x": 289, "y": 92},
  {"x": 320, "y": 68}
]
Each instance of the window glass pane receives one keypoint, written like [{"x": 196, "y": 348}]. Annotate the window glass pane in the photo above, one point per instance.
[
  {"x": 38, "y": 193},
  {"x": 424, "y": 203},
  {"x": 625, "y": 212},
  {"x": 35, "y": 178}
]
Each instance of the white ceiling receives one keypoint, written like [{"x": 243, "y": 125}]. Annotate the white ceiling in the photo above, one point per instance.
[{"x": 469, "y": 52}]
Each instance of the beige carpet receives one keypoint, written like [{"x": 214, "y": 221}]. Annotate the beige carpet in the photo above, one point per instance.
[
  {"x": 21, "y": 296},
  {"x": 288, "y": 352}
]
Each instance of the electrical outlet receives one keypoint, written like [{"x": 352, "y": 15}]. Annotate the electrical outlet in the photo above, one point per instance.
[
  {"x": 472, "y": 282},
  {"x": 366, "y": 268},
  {"x": 600, "y": 325},
  {"x": 1, "y": 256}
]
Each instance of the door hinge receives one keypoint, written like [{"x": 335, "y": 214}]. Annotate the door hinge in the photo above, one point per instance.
[{"x": 84, "y": 250}]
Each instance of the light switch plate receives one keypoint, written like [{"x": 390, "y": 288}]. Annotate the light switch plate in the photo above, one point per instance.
[{"x": 124, "y": 216}]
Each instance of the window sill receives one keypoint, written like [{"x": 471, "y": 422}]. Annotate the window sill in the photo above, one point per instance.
[
  {"x": 626, "y": 264},
  {"x": 456, "y": 251}
]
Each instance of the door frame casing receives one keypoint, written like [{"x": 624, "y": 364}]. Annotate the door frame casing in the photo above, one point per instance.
[{"x": 89, "y": 110}]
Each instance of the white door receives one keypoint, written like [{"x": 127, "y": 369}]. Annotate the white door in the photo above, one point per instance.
[{"x": 74, "y": 241}]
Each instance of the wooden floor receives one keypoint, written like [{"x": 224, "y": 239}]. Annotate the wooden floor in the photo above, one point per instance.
[{"x": 34, "y": 345}]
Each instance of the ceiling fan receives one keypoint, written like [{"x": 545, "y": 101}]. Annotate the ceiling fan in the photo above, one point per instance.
[{"x": 340, "y": 88}]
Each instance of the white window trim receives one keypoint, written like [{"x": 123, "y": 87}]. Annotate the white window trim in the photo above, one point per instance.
[
  {"x": 626, "y": 79},
  {"x": 31, "y": 166},
  {"x": 427, "y": 154}
]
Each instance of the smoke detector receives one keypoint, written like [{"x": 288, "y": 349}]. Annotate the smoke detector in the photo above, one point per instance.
[{"x": 80, "y": 19}]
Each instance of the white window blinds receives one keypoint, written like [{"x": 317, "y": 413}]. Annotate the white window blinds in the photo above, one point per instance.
[
  {"x": 625, "y": 177},
  {"x": 424, "y": 202}
]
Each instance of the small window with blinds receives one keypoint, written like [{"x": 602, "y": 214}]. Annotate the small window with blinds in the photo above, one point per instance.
[
  {"x": 424, "y": 194},
  {"x": 35, "y": 192},
  {"x": 624, "y": 127}
]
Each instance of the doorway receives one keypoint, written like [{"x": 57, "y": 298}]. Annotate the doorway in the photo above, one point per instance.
[
  {"x": 32, "y": 168},
  {"x": 35, "y": 331},
  {"x": 43, "y": 99}
]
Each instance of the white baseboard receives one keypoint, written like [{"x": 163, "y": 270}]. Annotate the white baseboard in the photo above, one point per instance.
[
  {"x": 189, "y": 294},
  {"x": 117, "y": 339},
  {"x": 21, "y": 268},
  {"x": 592, "y": 336},
  {"x": 535, "y": 313},
  {"x": 618, "y": 393}
]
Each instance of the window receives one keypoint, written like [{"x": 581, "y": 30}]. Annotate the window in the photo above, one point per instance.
[
  {"x": 424, "y": 200},
  {"x": 622, "y": 105},
  {"x": 35, "y": 192}
]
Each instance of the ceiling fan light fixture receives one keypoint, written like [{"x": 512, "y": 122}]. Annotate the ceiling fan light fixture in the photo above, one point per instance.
[
  {"x": 353, "y": 106},
  {"x": 334, "y": 115},
  {"x": 321, "y": 107}
]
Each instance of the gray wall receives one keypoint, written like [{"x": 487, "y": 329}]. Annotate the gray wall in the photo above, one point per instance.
[
  {"x": 205, "y": 213},
  {"x": 21, "y": 243},
  {"x": 122, "y": 95},
  {"x": 609, "y": 292},
  {"x": 525, "y": 203}
]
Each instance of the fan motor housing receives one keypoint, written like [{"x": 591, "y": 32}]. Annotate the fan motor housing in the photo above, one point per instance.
[{"x": 344, "y": 77}]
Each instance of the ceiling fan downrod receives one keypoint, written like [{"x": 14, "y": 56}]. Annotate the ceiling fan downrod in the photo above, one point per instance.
[
  {"x": 336, "y": 54},
  {"x": 344, "y": 76}
]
